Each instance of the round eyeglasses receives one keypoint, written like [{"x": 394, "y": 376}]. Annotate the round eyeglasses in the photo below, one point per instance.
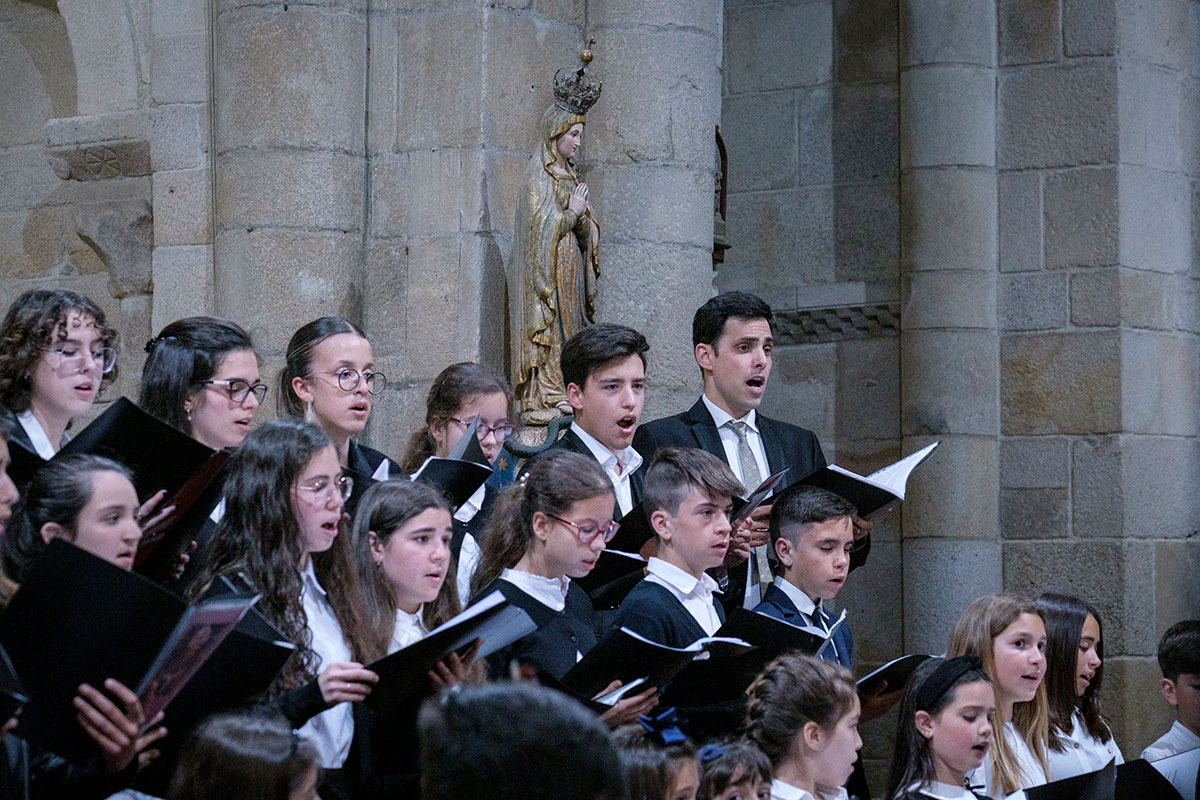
[
  {"x": 75, "y": 358},
  {"x": 587, "y": 532},
  {"x": 323, "y": 488},
  {"x": 349, "y": 379}
]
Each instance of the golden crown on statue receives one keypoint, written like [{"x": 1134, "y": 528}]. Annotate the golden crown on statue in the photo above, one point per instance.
[{"x": 574, "y": 89}]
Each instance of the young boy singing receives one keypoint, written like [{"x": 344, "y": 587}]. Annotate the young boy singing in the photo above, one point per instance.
[{"x": 687, "y": 497}]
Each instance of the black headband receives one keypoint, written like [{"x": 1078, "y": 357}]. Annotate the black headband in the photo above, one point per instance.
[{"x": 942, "y": 678}]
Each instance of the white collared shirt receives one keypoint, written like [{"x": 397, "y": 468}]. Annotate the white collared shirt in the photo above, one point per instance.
[
  {"x": 729, "y": 440},
  {"x": 467, "y": 511},
  {"x": 696, "y": 594},
  {"x": 550, "y": 592},
  {"x": 1030, "y": 772},
  {"x": 1082, "y": 752},
  {"x": 410, "y": 629},
  {"x": 470, "y": 554},
  {"x": 785, "y": 791},
  {"x": 330, "y": 731},
  {"x": 628, "y": 460},
  {"x": 1175, "y": 741},
  {"x": 37, "y": 436},
  {"x": 805, "y": 605},
  {"x": 943, "y": 791}
]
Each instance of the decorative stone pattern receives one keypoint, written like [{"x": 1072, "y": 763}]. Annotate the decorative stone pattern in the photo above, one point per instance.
[
  {"x": 812, "y": 325},
  {"x": 101, "y": 160}
]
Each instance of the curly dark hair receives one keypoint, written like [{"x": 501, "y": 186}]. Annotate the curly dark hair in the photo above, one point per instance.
[
  {"x": 259, "y": 540},
  {"x": 29, "y": 328}
]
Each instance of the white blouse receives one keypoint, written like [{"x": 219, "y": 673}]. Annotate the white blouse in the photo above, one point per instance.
[
  {"x": 1082, "y": 752},
  {"x": 330, "y": 731},
  {"x": 1030, "y": 769},
  {"x": 410, "y": 629}
]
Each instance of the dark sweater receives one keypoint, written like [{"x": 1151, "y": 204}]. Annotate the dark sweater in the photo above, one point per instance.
[
  {"x": 652, "y": 611},
  {"x": 561, "y": 635}
]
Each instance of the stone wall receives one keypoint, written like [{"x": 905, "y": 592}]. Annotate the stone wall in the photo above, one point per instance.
[
  {"x": 1031, "y": 233},
  {"x": 811, "y": 125}
]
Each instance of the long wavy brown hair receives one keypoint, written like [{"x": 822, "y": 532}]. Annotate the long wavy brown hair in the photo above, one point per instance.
[
  {"x": 29, "y": 328},
  {"x": 259, "y": 541}
]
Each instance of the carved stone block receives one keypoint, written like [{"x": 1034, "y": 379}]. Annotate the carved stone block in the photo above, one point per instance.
[{"x": 97, "y": 161}]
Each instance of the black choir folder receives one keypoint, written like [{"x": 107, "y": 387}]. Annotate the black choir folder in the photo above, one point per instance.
[
  {"x": 12, "y": 691},
  {"x": 896, "y": 673},
  {"x": 873, "y": 493},
  {"x": 462, "y": 472},
  {"x": 1133, "y": 780},
  {"x": 79, "y": 619},
  {"x": 404, "y": 675},
  {"x": 160, "y": 457},
  {"x": 710, "y": 670}
]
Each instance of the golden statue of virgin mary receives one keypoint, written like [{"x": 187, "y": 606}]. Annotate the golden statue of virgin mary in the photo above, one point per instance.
[{"x": 554, "y": 250}]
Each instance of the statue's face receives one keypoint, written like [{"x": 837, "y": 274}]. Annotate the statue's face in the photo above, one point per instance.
[{"x": 567, "y": 144}]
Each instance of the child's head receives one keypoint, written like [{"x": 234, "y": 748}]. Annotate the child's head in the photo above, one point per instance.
[
  {"x": 735, "y": 771},
  {"x": 559, "y": 515},
  {"x": 459, "y": 393},
  {"x": 1179, "y": 658},
  {"x": 515, "y": 741},
  {"x": 687, "y": 496},
  {"x": 329, "y": 377},
  {"x": 812, "y": 533},
  {"x": 87, "y": 500},
  {"x": 201, "y": 376},
  {"x": 1008, "y": 635},
  {"x": 1074, "y": 664},
  {"x": 401, "y": 544},
  {"x": 660, "y": 763},
  {"x": 56, "y": 352},
  {"x": 945, "y": 723},
  {"x": 604, "y": 371},
  {"x": 803, "y": 715},
  {"x": 248, "y": 757}
]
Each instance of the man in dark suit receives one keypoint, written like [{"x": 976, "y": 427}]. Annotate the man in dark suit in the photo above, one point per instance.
[
  {"x": 604, "y": 369},
  {"x": 732, "y": 341}
]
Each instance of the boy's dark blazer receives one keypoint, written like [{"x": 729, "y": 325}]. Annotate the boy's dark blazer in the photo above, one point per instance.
[
  {"x": 571, "y": 441},
  {"x": 777, "y": 604},
  {"x": 785, "y": 445}
]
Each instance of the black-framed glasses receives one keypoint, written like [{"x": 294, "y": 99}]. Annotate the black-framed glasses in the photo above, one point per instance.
[
  {"x": 238, "y": 390},
  {"x": 322, "y": 487},
  {"x": 587, "y": 533},
  {"x": 73, "y": 357},
  {"x": 501, "y": 432},
  {"x": 349, "y": 379}
]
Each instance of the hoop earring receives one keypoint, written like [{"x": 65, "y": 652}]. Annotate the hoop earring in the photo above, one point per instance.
[{"x": 308, "y": 415}]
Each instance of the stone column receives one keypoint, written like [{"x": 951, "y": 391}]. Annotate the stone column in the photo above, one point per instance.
[
  {"x": 649, "y": 162},
  {"x": 949, "y": 342},
  {"x": 290, "y": 129}
]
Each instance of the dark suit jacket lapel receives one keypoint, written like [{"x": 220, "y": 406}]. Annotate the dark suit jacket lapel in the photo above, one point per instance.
[
  {"x": 571, "y": 441},
  {"x": 776, "y": 458},
  {"x": 705, "y": 430}
]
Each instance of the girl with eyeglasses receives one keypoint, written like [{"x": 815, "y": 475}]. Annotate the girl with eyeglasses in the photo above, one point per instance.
[
  {"x": 330, "y": 379},
  {"x": 459, "y": 394},
  {"x": 548, "y": 528},
  {"x": 201, "y": 376},
  {"x": 57, "y": 351},
  {"x": 282, "y": 537}
]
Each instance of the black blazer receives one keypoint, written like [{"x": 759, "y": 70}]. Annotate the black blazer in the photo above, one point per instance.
[
  {"x": 476, "y": 524},
  {"x": 16, "y": 431},
  {"x": 571, "y": 441},
  {"x": 786, "y": 445},
  {"x": 777, "y": 604},
  {"x": 365, "y": 460},
  {"x": 652, "y": 611}
]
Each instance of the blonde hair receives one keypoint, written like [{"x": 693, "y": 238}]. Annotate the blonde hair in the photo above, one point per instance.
[{"x": 975, "y": 634}]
